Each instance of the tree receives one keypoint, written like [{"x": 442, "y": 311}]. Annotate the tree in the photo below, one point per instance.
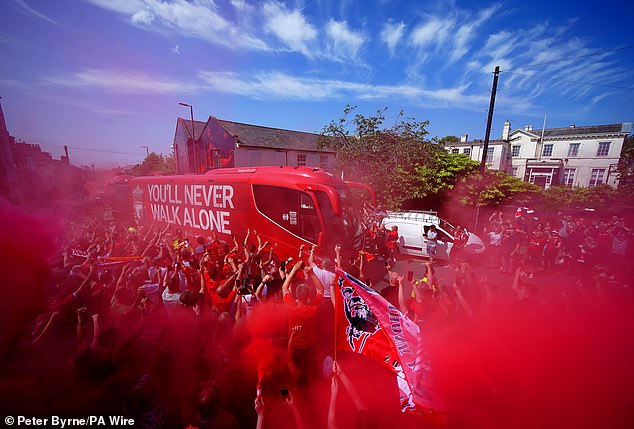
[
  {"x": 602, "y": 197},
  {"x": 625, "y": 167},
  {"x": 496, "y": 187},
  {"x": 384, "y": 158},
  {"x": 441, "y": 173},
  {"x": 155, "y": 164},
  {"x": 447, "y": 140}
]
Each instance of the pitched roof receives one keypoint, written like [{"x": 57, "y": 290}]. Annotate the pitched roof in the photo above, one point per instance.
[
  {"x": 578, "y": 131},
  {"x": 199, "y": 126},
  {"x": 272, "y": 138},
  {"x": 592, "y": 129}
]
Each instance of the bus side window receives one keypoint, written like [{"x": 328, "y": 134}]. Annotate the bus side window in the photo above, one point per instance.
[
  {"x": 289, "y": 208},
  {"x": 308, "y": 219}
]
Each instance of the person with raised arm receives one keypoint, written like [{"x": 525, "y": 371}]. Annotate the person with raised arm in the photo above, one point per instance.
[{"x": 302, "y": 322}]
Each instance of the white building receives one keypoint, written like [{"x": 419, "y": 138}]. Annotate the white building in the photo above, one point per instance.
[{"x": 584, "y": 156}]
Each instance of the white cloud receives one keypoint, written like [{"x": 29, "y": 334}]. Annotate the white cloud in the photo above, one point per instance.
[
  {"x": 29, "y": 11},
  {"x": 196, "y": 18},
  {"x": 144, "y": 16},
  {"x": 121, "y": 82},
  {"x": 391, "y": 34},
  {"x": 290, "y": 27},
  {"x": 123, "y": 6},
  {"x": 278, "y": 85},
  {"x": 467, "y": 30},
  {"x": 544, "y": 64},
  {"x": 344, "y": 43},
  {"x": 432, "y": 33}
]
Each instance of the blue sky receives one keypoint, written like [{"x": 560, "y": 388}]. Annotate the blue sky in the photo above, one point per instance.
[{"x": 105, "y": 76}]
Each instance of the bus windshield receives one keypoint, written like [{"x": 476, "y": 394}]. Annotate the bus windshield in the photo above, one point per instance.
[
  {"x": 344, "y": 229},
  {"x": 349, "y": 214}
]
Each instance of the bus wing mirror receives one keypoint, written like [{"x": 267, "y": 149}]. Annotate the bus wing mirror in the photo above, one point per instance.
[{"x": 320, "y": 240}]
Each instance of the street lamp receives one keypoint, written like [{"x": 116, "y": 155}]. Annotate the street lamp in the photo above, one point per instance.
[
  {"x": 147, "y": 151},
  {"x": 191, "y": 111}
]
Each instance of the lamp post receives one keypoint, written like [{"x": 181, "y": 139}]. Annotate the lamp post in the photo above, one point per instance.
[
  {"x": 191, "y": 112},
  {"x": 147, "y": 151}
]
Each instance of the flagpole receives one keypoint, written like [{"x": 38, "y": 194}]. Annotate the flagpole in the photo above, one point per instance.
[{"x": 336, "y": 309}]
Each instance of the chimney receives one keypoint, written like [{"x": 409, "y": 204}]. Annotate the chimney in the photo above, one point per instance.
[
  {"x": 506, "y": 131},
  {"x": 464, "y": 138},
  {"x": 528, "y": 128}
]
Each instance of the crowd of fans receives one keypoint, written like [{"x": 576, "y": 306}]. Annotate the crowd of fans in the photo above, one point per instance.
[
  {"x": 176, "y": 331},
  {"x": 563, "y": 244}
]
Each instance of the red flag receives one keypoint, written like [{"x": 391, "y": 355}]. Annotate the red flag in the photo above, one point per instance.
[{"x": 367, "y": 324}]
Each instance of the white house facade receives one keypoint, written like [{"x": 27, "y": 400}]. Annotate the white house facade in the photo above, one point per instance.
[{"x": 584, "y": 156}]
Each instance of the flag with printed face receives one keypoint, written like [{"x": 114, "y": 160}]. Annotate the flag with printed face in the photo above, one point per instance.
[{"x": 367, "y": 324}]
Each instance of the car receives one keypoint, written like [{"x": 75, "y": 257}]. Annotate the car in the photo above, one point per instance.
[{"x": 413, "y": 224}]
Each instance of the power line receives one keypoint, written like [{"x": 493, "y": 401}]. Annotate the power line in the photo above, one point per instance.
[
  {"x": 103, "y": 151},
  {"x": 575, "y": 58},
  {"x": 569, "y": 81}
]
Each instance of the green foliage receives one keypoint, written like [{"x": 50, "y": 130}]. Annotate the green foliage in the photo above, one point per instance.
[
  {"x": 442, "y": 172},
  {"x": 402, "y": 164},
  {"x": 447, "y": 140},
  {"x": 155, "y": 164},
  {"x": 499, "y": 187},
  {"x": 600, "y": 197},
  {"x": 384, "y": 158},
  {"x": 625, "y": 167}
]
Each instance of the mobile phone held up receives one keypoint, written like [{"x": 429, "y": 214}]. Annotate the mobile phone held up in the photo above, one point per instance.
[{"x": 410, "y": 276}]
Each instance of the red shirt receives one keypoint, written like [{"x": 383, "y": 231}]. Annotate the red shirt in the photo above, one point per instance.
[
  {"x": 220, "y": 303},
  {"x": 302, "y": 321},
  {"x": 392, "y": 238},
  {"x": 460, "y": 239}
]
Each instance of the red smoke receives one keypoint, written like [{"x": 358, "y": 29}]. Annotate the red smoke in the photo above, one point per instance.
[
  {"x": 529, "y": 368},
  {"x": 26, "y": 248}
]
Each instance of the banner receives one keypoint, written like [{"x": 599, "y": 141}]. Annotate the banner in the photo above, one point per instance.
[{"x": 367, "y": 324}]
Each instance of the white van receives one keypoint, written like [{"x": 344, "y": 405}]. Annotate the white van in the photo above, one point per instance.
[{"x": 412, "y": 225}]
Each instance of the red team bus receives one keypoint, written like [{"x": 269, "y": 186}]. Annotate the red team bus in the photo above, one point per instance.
[{"x": 289, "y": 206}]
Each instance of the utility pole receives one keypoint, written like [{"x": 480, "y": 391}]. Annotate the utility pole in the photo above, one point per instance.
[
  {"x": 485, "y": 148},
  {"x": 191, "y": 111},
  {"x": 487, "y": 134}
]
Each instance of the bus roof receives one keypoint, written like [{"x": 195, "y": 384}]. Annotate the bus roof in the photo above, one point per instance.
[{"x": 309, "y": 175}]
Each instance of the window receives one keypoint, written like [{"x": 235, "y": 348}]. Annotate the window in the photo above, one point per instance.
[
  {"x": 301, "y": 159},
  {"x": 454, "y": 150},
  {"x": 596, "y": 178},
  {"x": 216, "y": 158},
  {"x": 467, "y": 151},
  {"x": 515, "y": 151},
  {"x": 289, "y": 208},
  {"x": 569, "y": 177},
  {"x": 515, "y": 169},
  {"x": 603, "y": 149},
  {"x": 323, "y": 162},
  {"x": 573, "y": 149},
  {"x": 548, "y": 150},
  {"x": 490, "y": 151}
]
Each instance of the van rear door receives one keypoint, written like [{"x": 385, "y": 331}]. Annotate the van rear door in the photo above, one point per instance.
[{"x": 411, "y": 237}]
